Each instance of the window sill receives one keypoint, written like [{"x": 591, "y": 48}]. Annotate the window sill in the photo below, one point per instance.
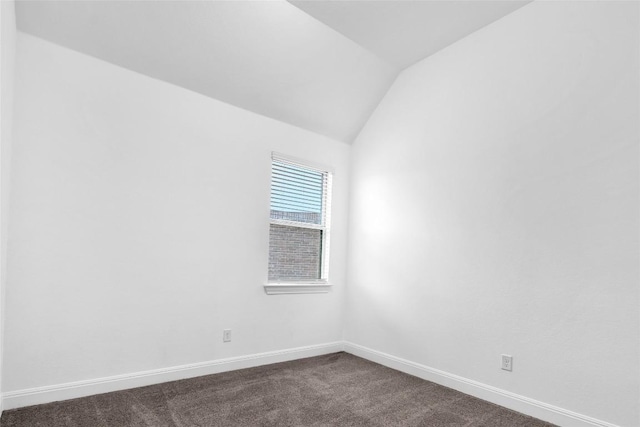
[{"x": 296, "y": 288}]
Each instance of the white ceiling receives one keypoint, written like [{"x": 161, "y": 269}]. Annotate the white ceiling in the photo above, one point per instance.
[
  {"x": 404, "y": 32},
  {"x": 266, "y": 57},
  {"x": 325, "y": 73}
]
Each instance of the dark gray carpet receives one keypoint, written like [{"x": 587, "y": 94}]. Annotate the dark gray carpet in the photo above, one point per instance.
[{"x": 333, "y": 390}]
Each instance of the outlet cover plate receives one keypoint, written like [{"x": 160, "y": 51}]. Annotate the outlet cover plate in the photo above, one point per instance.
[{"x": 507, "y": 362}]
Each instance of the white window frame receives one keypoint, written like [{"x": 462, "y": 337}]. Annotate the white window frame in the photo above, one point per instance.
[{"x": 321, "y": 285}]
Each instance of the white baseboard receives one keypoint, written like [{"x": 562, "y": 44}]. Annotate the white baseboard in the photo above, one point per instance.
[
  {"x": 525, "y": 405},
  {"x": 39, "y": 395}
]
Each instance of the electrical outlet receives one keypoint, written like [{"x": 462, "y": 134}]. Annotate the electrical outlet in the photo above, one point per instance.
[
  {"x": 507, "y": 362},
  {"x": 226, "y": 335}
]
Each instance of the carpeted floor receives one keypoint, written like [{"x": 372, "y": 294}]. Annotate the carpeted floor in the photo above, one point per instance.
[{"x": 333, "y": 390}]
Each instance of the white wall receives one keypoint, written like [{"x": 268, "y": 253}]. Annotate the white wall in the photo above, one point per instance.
[
  {"x": 141, "y": 228},
  {"x": 495, "y": 210},
  {"x": 7, "y": 64}
]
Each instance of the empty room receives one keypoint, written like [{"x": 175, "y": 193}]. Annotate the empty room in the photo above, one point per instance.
[{"x": 319, "y": 213}]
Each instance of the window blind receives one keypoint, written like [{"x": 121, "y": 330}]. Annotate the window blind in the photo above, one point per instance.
[{"x": 298, "y": 192}]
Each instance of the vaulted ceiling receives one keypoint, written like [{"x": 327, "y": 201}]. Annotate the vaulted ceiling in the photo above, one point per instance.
[
  {"x": 404, "y": 32},
  {"x": 320, "y": 65}
]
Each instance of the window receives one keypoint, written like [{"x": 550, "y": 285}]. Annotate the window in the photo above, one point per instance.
[{"x": 299, "y": 226}]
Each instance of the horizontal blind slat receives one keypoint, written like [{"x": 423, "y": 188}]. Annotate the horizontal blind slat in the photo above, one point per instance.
[
  {"x": 296, "y": 196},
  {"x": 290, "y": 169},
  {"x": 292, "y": 179},
  {"x": 296, "y": 171}
]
